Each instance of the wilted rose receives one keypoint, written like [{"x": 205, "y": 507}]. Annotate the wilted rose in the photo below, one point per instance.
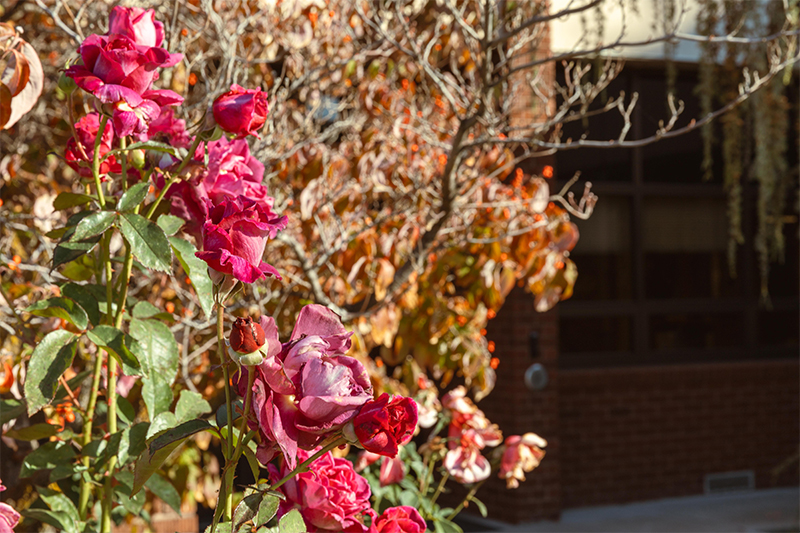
[
  {"x": 403, "y": 519},
  {"x": 331, "y": 497},
  {"x": 522, "y": 454},
  {"x": 235, "y": 236},
  {"x": 386, "y": 423},
  {"x": 241, "y": 111}
]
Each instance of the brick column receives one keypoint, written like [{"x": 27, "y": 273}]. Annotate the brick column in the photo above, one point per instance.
[{"x": 518, "y": 410}]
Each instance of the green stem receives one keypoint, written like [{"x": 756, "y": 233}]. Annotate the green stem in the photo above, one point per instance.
[
  {"x": 96, "y": 162},
  {"x": 303, "y": 467},
  {"x": 172, "y": 179},
  {"x": 190, "y": 156},
  {"x": 468, "y": 498},
  {"x": 251, "y": 379},
  {"x": 228, "y": 404},
  {"x": 123, "y": 144},
  {"x": 439, "y": 488},
  {"x": 86, "y": 487}
]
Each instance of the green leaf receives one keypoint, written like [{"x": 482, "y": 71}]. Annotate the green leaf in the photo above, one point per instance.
[
  {"x": 162, "y": 422},
  {"x": 133, "y": 196},
  {"x": 267, "y": 509},
  {"x": 125, "y": 411},
  {"x": 61, "y": 307},
  {"x": 133, "y": 442},
  {"x": 65, "y": 200},
  {"x": 160, "y": 447},
  {"x": 147, "y": 240},
  {"x": 150, "y": 145},
  {"x": 246, "y": 510},
  {"x": 46, "y": 457},
  {"x": 145, "y": 309},
  {"x": 60, "y": 521},
  {"x": 59, "y": 502},
  {"x": 481, "y": 506},
  {"x": 221, "y": 528},
  {"x": 255, "y": 468},
  {"x": 446, "y": 526},
  {"x": 161, "y": 487},
  {"x": 158, "y": 356},
  {"x": 94, "y": 224},
  {"x": 170, "y": 224},
  {"x": 197, "y": 270},
  {"x": 10, "y": 409},
  {"x": 84, "y": 298},
  {"x": 51, "y": 358},
  {"x": 292, "y": 522},
  {"x": 191, "y": 405},
  {"x": 34, "y": 432},
  {"x": 70, "y": 251},
  {"x": 111, "y": 449},
  {"x": 121, "y": 345}
]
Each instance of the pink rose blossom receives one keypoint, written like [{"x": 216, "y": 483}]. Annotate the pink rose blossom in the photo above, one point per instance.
[
  {"x": 137, "y": 24},
  {"x": 522, "y": 454},
  {"x": 119, "y": 72},
  {"x": 403, "y": 519},
  {"x": 241, "y": 111},
  {"x": 306, "y": 389},
  {"x": 232, "y": 171},
  {"x": 468, "y": 434},
  {"x": 169, "y": 129},
  {"x": 235, "y": 236},
  {"x": 9, "y": 517},
  {"x": 331, "y": 497}
]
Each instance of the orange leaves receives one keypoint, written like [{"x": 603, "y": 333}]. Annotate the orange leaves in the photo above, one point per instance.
[
  {"x": 21, "y": 76},
  {"x": 383, "y": 279}
]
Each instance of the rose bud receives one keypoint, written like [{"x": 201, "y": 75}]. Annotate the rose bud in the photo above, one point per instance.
[
  {"x": 382, "y": 425},
  {"x": 247, "y": 335},
  {"x": 241, "y": 111}
]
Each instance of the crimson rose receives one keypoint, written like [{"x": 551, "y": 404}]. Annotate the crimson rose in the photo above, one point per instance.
[
  {"x": 403, "y": 519},
  {"x": 384, "y": 424},
  {"x": 241, "y": 111}
]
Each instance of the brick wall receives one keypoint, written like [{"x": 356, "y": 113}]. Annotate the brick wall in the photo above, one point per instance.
[{"x": 632, "y": 434}]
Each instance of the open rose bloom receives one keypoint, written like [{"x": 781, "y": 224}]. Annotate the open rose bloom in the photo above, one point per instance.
[{"x": 307, "y": 389}]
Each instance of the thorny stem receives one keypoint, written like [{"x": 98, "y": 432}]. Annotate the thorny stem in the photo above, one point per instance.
[
  {"x": 439, "y": 488},
  {"x": 96, "y": 162},
  {"x": 251, "y": 379},
  {"x": 303, "y": 467},
  {"x": 87, "y": 433}
]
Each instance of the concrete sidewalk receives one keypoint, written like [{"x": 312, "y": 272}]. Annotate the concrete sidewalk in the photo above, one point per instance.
[{"x": 759, "y": 511}]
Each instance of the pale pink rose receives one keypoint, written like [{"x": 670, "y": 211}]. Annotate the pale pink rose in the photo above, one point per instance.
[
  {"x": 393, "y": 470},
  {"x": 9, "y": 517}
]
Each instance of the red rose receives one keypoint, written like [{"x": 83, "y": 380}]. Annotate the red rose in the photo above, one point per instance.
[
  {"x": 386, "y": 423},
  {"x": 247, "y": 336},
  {"x": 401, "y": 519},
  {"x": 241, "y": 111},
  {"x": 80, "y": 157},
  {"x": 137, "y": 24}
]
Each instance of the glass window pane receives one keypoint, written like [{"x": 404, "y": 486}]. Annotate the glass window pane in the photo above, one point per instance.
[
  {"x": 684, "y": 330},
  {"x": 595, "y": 334},
  {"x": 603, "y": 253}
]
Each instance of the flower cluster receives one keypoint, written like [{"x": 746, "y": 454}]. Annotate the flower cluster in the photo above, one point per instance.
[
  {"x": 306, "y": 390},
  {"x": 469, "y": 433}
]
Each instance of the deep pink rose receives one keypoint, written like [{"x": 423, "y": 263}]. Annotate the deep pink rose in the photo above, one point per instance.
[
  {"x": 137, "y": 24},
  {"x": 9, "y": 517},
  {"x": 80, "y": 157},
  {"x": 169, "y": 129},
  {"x": 241, "y": 111},
  {"x": 331, "y": 497},
  {"x": 384, "y": 424},
  {"x": 119, "y": 73},
  {"x": 231, "y": 171},
  {"x": 306, "y": 390},
  {"x": 235, "y": 236},
  {"x": 403, "y": 519}
]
